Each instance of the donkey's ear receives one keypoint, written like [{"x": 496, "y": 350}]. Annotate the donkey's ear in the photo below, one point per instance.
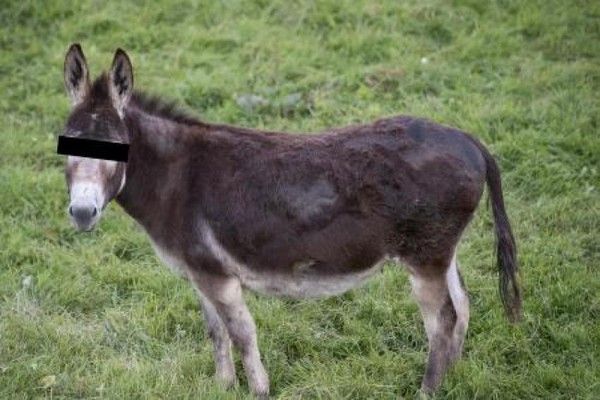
[
  {"x": 77, "y": 77},
  {"x": 121, "y": 80}
]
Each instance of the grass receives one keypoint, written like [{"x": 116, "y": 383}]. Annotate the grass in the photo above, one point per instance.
[{"x": 96, "y": 315}]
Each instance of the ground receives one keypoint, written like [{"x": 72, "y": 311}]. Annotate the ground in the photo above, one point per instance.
[{"x": 97, "y": 316}]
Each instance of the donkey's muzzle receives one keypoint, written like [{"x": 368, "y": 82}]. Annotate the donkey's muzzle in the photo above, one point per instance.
[{"x": 83, "y": 216}]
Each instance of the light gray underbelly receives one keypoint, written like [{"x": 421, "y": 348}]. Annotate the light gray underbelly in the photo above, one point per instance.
[
  {"x": 301, "y": 282},
  {"x": 305, "y": 285}
]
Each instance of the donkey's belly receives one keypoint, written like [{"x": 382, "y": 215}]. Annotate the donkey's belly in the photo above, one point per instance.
[
  {"x": 301, "y": 283},
  {"x": 301, "y": 280}
]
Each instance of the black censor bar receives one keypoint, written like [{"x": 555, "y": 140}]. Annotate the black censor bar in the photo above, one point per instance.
[{"x": 92, "y": 148}]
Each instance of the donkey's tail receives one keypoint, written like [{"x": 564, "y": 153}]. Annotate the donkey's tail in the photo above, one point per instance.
[{"x": 506, "y": 248}]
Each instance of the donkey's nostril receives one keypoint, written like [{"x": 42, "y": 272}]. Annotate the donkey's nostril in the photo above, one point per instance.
[{"x": 83, "y": 214}]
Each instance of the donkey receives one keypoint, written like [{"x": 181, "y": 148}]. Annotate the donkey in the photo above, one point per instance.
[{"x": 288, "y": 214}]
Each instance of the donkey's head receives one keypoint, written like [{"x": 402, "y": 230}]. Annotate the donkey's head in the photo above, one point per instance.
[{"x": 97, "y": 112}]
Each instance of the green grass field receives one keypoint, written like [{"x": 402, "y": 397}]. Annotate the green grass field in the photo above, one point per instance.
[{"x": 96, "y": 315}]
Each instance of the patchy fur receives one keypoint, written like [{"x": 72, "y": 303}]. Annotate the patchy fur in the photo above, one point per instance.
[{"x": 295, "y": 214}]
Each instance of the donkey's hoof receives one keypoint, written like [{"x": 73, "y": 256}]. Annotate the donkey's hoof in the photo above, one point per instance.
[
  {"x": 226, "y": 381},
  {"x": 424, "y": 394},
  {"x": 262, "y": 396},
  {"x": 261, "y": 393}
]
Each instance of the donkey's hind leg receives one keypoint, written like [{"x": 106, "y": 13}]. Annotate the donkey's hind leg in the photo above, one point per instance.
[
  {"x": 460, "y": 299},
  {"x": 217, "y": 331},
  {"x": 444, "y": 307}
]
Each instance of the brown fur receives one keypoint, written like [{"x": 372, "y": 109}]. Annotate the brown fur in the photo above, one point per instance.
[{"x": 225, "y": 200}]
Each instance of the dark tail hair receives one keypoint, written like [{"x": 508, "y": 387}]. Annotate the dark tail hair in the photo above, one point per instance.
[{"x": 506, "y": 248}]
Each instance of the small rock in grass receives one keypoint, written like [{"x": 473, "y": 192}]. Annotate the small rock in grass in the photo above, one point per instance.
[
  {"x": 48, "y": 381},
  {"x": 27, "y": 281},
  {"x": 291, "y": 103},
  {"x": 250, "y": 102}
]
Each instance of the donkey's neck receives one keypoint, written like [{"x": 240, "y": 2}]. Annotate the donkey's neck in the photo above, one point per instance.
[{"x": 155, "y": 166}]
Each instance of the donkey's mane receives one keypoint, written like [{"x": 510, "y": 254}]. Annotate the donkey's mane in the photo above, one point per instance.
[
  {"x": 168, "y": 109},
  {"x": 151, "y": 104}
]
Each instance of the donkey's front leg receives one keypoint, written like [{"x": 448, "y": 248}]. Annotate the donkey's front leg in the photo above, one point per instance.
[
  {"x": 225, "y": 293},
  {"x": 217, "y": 331}
]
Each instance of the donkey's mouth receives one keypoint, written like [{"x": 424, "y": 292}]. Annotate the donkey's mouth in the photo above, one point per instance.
[{"x": 83, "y": 227}]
